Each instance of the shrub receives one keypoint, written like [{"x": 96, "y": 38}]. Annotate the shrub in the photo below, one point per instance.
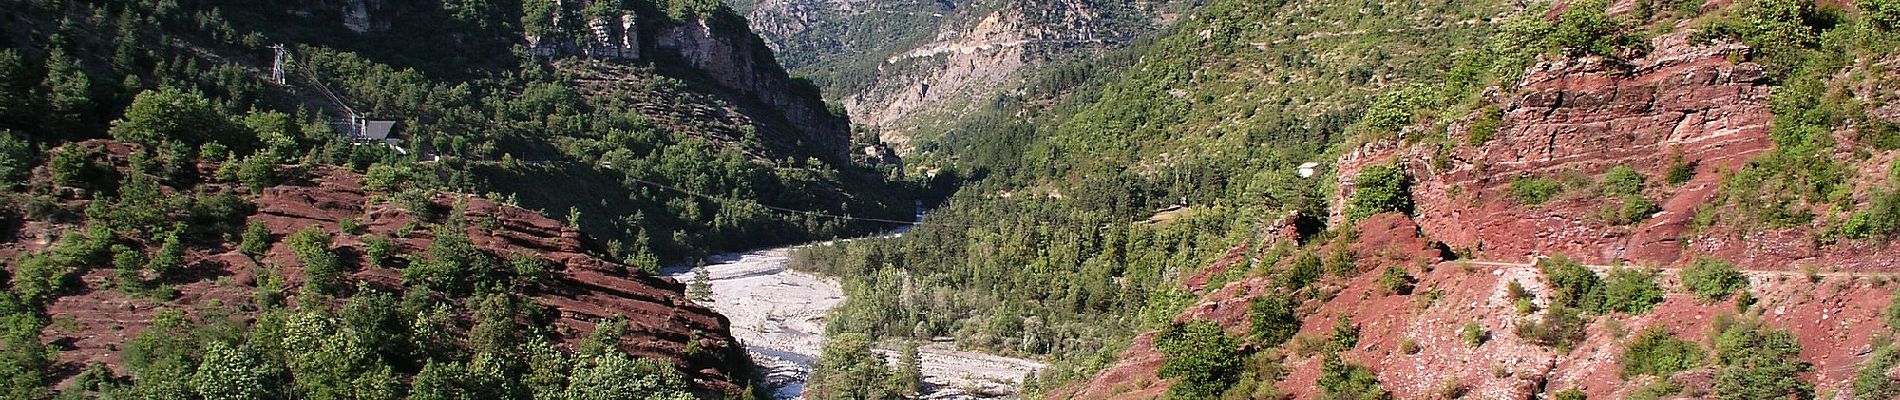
[
  {"x": 1656, "y": 352},
  {"x": 1759, "y": 362},
  {"x": 1203, "y": 356},
  {"x": 1679, "y": 171},
  {"x": 1872, "y": 381},
  {"x": 256, "y": 239},
  {"x": 1473, "y": 334},
  {"x": 1633, "y": 209},
  {"x": 1622, "y": 180},
  {"x": 1305, "y": 270},
  {"x": 1379, "y": 189},
  {"x": 16, "y": 159},
  {"x": 1274, "y": 319},
  {"x": 1561, "y": 328},
  {"x": 1396, "y": 281},
  {"x": 1344, "y": 381},
  {"x": 1484, "y": 126},
  {"x": 157, "y": 116},
  {"x": 1712, "y": 279},
  {"x": 1531, "y": 190},
  {"x": 322, "y": 271},
  {"x": 1883, "y": 14},
  {"x": 1630, "y": 291},
  {"x": 1571, "y": 394},
  {"x": 1880, "y": 219},
  {"x": 1345, "y": 334},
  {"x": 1571, "y": 284},
  {"x": 1587, "y": 28}
]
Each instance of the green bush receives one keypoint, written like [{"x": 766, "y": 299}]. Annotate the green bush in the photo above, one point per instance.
[
  {"x": 1571, "y": 394},
  {"x": 163, "y": 115},
  {"x": 1630, "y": 291},
  {"x": 1345, "y": 335},
  {"x": 1381, "y": 188},
  {"x": 1629, "y": 210},
  {"x": 255, "y": 240},
  {"x": 16, "y": 159},
  {"x": 1571, "y": 284},
  {"x": 1587, "y": 28},
  {"x": 1531, "y": 190},
  {"x": 1622, "y": 180},
  {"x": 1656, "y": 352},
  {"x": 1484, "y": 126},
  {"x": 1883, "y": 14},
  {"x": 1881, "y": 218},
  {"x": 323, "y": 273},
  {"x": 1395, "y": 281},
  {"x": 1339, "y": 380},
  {"x": 1203, "y": 356},
  {"x": 1759, "y": 362},
  {"x": 1561, "y": 328},
  {"x": 1712, "y": 279},
  {"x": 1274, "y": 319},
  {"x": 1872, "y": 381},
  {"x": 1679, "y": 171},
  {"x": 1473, "y": 335}
]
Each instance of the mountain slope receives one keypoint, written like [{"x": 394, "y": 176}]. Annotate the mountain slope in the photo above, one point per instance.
[
  {"x": 179, "y": 225},
  {"x": 909, "y": 68}
]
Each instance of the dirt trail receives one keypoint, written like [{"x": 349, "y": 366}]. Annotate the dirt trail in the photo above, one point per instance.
[{"x": 779, "y": 314}]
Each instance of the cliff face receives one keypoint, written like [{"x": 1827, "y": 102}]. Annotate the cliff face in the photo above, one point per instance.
[
  {"x": 1438, "y": 361},
  {"x": 1682, "y": 104},
  {"x": 741, "y": 63},
  {"x": 906, "y": 65}
]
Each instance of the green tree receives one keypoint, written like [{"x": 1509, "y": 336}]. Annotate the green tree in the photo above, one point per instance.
[
  {"x": 909, "y": 377},
  {"x": 1381, "y": 188},
  {"x": 1203, "y": 356},
  {"x": 1339, "y": 380},
  {"x": 256, "y": 239},
  {"x": 1712, "y": 279},
  {"x": 1759, "y": 362},
  {"x": 68, "y": 88},
  {"x": 157, "y": 116},
  {"x": 24, "y": 363},
  {"x": 1872, "y": 382},
  {"x": 614, "y": 376},
  {"x": 16, "y": 158},
  {"x": 1656, "y": 352},
  {"x": 848, "y": 369},
  {"x": 229, "y": 373},
  {"x": 1274, "y": 319},
  {"x": 323, "y": 273},
  {"x": 1630, "y": 291}
]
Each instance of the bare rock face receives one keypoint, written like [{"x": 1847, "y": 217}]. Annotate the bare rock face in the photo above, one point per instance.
[
  {"x": 1579, "y": 118},
  {"x": 946, "y": 57},
  {"x": 742, "y": 63}
]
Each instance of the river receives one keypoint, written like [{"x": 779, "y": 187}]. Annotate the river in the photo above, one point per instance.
[{"x": 779, "y": 314}]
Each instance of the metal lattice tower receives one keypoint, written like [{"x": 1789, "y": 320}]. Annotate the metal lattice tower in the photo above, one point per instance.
[{"x": 277, "y": 63}]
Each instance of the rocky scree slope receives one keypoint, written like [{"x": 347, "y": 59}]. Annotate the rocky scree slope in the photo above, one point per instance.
[{"x": 914, "y": 67}]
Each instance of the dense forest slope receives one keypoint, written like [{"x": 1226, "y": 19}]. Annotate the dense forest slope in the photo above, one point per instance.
[
  {"x": 1626, "y": 199},
  {"x": 178, "y": 224}
]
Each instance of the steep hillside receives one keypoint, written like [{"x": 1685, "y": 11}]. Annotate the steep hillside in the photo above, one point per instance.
[
  {"x": 178, "y": 223},
  {"x": 1692, "y": 198},
  {"x": 910, "y": 68},
  {"x": 1697, "y": 211}
]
